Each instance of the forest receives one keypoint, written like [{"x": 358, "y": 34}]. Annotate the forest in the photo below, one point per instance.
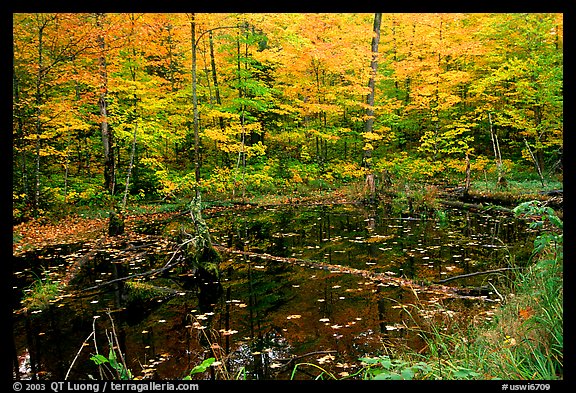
[
  {"x": 248, "y": 104},
  {"x": 293, "y": 134}
]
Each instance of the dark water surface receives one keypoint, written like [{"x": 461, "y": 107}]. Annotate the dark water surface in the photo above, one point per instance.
[{"x": 262, "y": 313}]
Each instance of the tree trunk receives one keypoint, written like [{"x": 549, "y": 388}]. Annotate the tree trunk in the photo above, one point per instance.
[
  {"x": 536, "y": 162},
  {"x": 132, "y": 154},
  {"x": 107, "y": 135},
  {"x": 195, "y": 108},
  {"x": 497, "y": 155},
  {"x": 368, "y": 125},
  {"x": 467, "y": 184},
  {"x": 215, "y": 78},
  {"x": 38, "y": 98}
]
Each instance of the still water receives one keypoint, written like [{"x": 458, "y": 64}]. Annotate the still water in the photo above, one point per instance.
[{"x": 263, "y": 316}]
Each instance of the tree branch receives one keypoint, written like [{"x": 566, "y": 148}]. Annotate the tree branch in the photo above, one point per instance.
[{"x": 476, "y": 274}]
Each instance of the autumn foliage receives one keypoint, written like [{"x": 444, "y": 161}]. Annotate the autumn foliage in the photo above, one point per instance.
[{"x": 281, "y": 101}]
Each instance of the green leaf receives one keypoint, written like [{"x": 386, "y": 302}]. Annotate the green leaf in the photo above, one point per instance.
[
  {"x": 202, "y": 366},
  {"x": 465, "y": 373},
  {"x": 369, "y": 360},
  {"x": 386, "y": 362},
  {"x": 556, "y": 221},
  {"x": 407, "y": 373},
  {"x": 99, "y": 359}
]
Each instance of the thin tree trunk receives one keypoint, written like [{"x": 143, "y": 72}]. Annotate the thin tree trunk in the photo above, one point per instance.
[
  {"x": 132, "y": 154},
  {"x": 215, "y": 77},
  {"x": 195, "y": 108},
  {"x": 241, "y": 153},
  {"x": 107, "y": 135},
  {"x": 497, "y": 156},
  {"x": 535, "y": 162},
  {"x": 467, "y": 184},
  {"x": 373, "y": 69},
  {"x": 369, "y": 124},
  {"x": 39, "y": 79}
]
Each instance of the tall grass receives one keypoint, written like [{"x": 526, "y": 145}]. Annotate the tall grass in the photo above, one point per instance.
[
  {"x": 524, "y": 339},
  {"x": 41, "y": 293}
]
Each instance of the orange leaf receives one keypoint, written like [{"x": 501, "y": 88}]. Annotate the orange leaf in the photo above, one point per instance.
[{"x": 526, "y": 313}]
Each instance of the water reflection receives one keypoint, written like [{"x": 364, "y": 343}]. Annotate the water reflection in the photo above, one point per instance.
[{"x": 262, "y": 315}]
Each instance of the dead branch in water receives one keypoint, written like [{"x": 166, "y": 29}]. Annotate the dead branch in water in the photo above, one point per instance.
[
  {"x": 384, "y": 278},
  {"x": 475, "y": 274}
]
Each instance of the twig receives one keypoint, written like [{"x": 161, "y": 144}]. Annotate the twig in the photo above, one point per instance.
[
  {"x": 78, "y": 354},
  {"x": 495, "y": 290},
  {"x": 166, "y": 266},
  {"x": 96, "y": 346},
  {"x": 475, "y": 274},
  {"x": 117, "y": 343}
]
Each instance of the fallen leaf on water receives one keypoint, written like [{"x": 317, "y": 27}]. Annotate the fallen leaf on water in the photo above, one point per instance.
[
  {"x": 324, "y": 320},
  {"x": 325, "y": 359},
  {"x": 294, "y": 316}
]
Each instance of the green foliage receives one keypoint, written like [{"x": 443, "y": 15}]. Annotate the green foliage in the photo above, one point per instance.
[
  {"x": 120, "y": 370},
  {"x": 544, "y": 218},
  {"x": 41, "y": 293},
  {"x": 383, "y": 367},
  {"x": 202, "y": 367}
]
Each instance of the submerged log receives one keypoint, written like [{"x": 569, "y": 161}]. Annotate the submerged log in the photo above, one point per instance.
[{"x": 384, "y": 278}]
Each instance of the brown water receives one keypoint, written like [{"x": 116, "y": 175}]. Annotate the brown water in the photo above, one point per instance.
[{"x": 260, "y": 313}]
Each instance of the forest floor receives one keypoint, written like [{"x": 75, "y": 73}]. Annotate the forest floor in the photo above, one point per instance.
[{"x": 75, "y": 227}]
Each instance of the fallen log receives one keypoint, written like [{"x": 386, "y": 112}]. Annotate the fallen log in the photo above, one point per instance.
[
  {"x": 384, "y": 278},
  {"x": 475, "y": 207}
]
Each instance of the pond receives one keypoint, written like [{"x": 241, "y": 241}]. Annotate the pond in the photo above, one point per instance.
[{"x": 271, "y": 309}]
